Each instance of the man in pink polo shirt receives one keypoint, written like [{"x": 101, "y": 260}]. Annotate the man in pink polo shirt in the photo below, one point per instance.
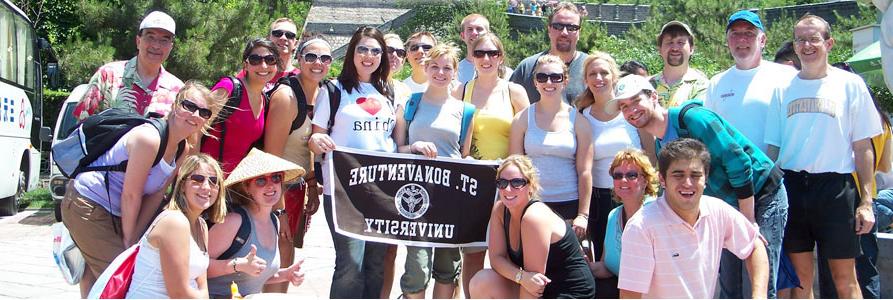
[{"x": 672, "y": 249}]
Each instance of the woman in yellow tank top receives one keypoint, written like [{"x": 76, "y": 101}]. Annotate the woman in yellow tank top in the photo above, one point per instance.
[{"x": 496, "y": 99}]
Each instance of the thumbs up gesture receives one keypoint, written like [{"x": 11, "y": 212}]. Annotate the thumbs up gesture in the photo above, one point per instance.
[
  {"x": 251, "y": 264},
  {"x": 294, "y": 274}
]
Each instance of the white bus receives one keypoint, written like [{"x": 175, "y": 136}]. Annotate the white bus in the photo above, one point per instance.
[{"x": 20, "y": 107}]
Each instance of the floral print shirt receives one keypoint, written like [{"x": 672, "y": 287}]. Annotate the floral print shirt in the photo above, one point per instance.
[{"x": 118, "y": 84}]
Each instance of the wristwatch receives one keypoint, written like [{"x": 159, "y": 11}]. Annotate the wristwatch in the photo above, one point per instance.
[
  {"x": 279, "y": 212},
  {"x": 519, "y": 275}
]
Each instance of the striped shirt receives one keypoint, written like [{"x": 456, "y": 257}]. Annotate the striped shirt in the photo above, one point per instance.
[{"x": 665, "y": 257}]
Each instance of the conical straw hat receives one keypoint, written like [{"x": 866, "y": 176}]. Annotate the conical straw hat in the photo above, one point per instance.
[{"x": 259, "y": 163}]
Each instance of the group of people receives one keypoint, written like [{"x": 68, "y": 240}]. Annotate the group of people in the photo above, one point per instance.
[{"x": 748, "y": 179}]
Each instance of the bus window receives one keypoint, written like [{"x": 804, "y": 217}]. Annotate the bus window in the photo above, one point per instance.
[
  {"x": 7, "y": 40},
  {"x": 25, "y": 49}
]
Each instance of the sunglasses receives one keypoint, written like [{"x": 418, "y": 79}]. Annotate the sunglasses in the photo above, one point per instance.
[
  {"x": 255, "y": 59},
  {"x": 401, "y": 53},
  {"x": 191, "y": 107},
  {"x": 490, "y": 53},
  {"x": 365, "y": 50},
  {"x": 555, "y": 77},
  {"x": 312, "y": 57},
  {"x": 628, "y": 175},
  {"x": 275, "y": 178},
  {"x": 200, "y": 179},
  {"x": 425, "y": 47},
  {"x": 517, "y": 183},
  {"x": 563, "y": 26},
  {"x": 288, "y": 34}
]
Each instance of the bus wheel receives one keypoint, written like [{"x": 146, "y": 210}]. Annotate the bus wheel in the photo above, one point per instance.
[{"x": 10, "y": 205}]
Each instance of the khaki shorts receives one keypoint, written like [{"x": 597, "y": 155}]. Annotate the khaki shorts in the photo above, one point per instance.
[{"x": 94, "y": 230}]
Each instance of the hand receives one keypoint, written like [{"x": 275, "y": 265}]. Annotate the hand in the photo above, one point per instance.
[
  {"x": 599, "y": 270},
  {"x": 284, "y": 230},
  {"x": 251, "y": 264},
  {"x": 864, "y": 218},
  {"x": 321, "y": 143},
  {"x": 579, "y": 225},
  {"x": 534, "y": 283},
  {"x": 294, "y": 274},
  {"x": 313, "y": 192},
  {"x": 425, "y": 148}
]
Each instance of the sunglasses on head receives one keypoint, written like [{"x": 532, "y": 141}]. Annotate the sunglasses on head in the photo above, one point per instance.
[
  {"x": 490, "y": 53},
  {"x": 517, "y": 183},
  {"x": 364, "y": 50},
  {"x": 628, "y": 175},
  {"x": 191, "y": 107},
  {"x": 555, "y": 77},
  {"x": 312, "y": 57},
  {"x": 200, "y": 179},
  {"x": 255, "y": 59},
  {"x": 563, "y": 26},
  {"x": 275, "y": 178},
  {"x": 288, "y": 34},
  {"x": 425, "y": 47},
  {"x": 401, "y": 53}
]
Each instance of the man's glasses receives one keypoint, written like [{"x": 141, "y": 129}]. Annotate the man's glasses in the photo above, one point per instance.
[
  {"x": 191, "y": 107},
  {"x": 288, "y": 34},
  {"x": 490, "y": 53},
  {"x": 563, "y": 26},
  {"x": 275, "y": 178},
  {"x": 312, "y": 57},
  {"x": 517, "y": 183},
  {"x": 255, "y": 59},
  {"x": 200, "y": 179},
  {"x": 628, "y": 175},
  {"x": 401, "y": 53},
  {"x": 424, "y": 47},
  {"x": 555, "y": 77},
  {"x": 365, "y": 50}
]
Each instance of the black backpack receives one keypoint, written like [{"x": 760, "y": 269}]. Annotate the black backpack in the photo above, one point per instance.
[
  {"x": 243, "y": 233},
  {"x": 232, "y": 103},
  {"x": 303, "y": 108},
  {"x": 98, "y": 133}
]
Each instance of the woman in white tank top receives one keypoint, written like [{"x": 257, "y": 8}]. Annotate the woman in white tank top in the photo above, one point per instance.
[{"x": 173, "y": 257}]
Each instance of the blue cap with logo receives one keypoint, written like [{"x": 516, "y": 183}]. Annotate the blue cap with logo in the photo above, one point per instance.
[{"x": 745, "y": 15}]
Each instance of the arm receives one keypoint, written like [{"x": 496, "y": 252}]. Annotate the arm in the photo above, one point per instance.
[
  {"x": 94, "y": 99},
  {"x": 624, "y": 294},
  {"x": 320, "y": 142},
  {"x": 282, "y": 111},
  {"x": 537, "y": 228},
  {"x": 496, "y": 245},
  {"x": 220, "y": 238},
  {"x": 401, "y": 137},
  {"x": 142, "y": 147},
  {"x": 171, "y": 236},
  {"x": 583, "y": 132},
  {"x": 292, "y": 274},
  {"x": 466, "y": 145},
  {"x": 516, "y": 133},
  {"x": 599, "y": 270},
  {"x": 647, "y": 142},
  {"x": 519, "y": 98},
  {"x": 772, "y": 153},
  {"x": 864, "y": 169},
  {"x": 758, "y": 269}
]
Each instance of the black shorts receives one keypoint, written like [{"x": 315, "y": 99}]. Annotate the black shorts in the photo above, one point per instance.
[
  {"x": 567, "y": 210},
  {"x": 821, "y": 214}
]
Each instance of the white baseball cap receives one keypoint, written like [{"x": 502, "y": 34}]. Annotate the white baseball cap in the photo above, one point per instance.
[
  {"x": 627, "y": 87},
  {"x": 158, "y": 19}
]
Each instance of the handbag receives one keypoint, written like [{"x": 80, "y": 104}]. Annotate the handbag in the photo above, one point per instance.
[
  {"x": 115, "y": 280},
  {"x": 67, "y": 255}
]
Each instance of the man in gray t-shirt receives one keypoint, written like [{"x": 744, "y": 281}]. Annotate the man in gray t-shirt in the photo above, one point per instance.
[{"x": 564, "y": 31}]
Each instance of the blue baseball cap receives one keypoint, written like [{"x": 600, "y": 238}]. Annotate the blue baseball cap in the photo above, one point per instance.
[{"x": 745, "y": 15}]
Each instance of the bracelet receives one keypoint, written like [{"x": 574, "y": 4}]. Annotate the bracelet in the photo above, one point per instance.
[
  {"x": 584, "y": 216},
  {"x": 234, "y": 266}
]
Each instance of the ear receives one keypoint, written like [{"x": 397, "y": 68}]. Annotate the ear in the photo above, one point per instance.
[
  {"x": 663, "y": 182},
  {"x": 830, "y": 44}
]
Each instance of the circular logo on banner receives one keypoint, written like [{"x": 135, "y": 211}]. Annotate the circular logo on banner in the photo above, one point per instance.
[{"x": 412, "y": 201}]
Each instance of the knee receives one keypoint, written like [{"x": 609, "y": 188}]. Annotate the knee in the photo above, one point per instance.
[{"x": 482, "y": 281}]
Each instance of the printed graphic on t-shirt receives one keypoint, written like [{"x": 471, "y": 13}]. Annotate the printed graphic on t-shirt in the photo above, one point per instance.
[
  {"x": 812, "y": 105},
  {"x": 372, "y": 105}
]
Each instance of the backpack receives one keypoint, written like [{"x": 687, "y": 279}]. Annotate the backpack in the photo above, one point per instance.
[
  {"x": 467, "y": 115},
  {"x": 334, "y": 103},
  {"x": 243, "y": 233},
  {"x": 232, "y": 104},
  {"x": 303, "y": 107},
  {"x": 97, "y": 134}
]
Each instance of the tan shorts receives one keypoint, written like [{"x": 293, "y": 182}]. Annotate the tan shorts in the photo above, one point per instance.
[{"x": 94, "y": 230}]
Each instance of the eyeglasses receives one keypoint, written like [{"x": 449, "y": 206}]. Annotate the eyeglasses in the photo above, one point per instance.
[
  {"x": 563, "y": 26},
  {"x": 401, "y": 53},
  {"x": 312, "y": 57},
  {"x": 275, "y": 178},
  {"x": 288, "y": 34},
  {"x": 517, "y": 183},
  {"x": 200, "y": 179},
  {"x": 424, "y": 47},
  {"x": 163, "y": 41},
  {"x": 191, "y": 107},
  {"x": 365, "y": 50},
  {"x": 255, "y": 59},
  {"x": 813, "y": 40},
  {"x": 490, "y": 53},
  {"x": 628, "y": 175},
  {"x": 555, "y": 77}
]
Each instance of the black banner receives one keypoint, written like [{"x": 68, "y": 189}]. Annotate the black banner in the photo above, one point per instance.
[{"x": 411, "y": 200}]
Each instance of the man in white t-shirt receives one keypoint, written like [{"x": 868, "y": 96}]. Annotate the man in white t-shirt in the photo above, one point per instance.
[
  {"x": 820, "y": 129},
  {"x": 471, "y": 27},
  {"x": 741, "y": 96}
]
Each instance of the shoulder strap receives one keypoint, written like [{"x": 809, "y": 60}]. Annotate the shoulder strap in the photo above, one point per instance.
[
  {"x": 241, "y": 236},
  {"x": 411, "y": 106},
  {"x": 683, "y": 130},
  {"x": 163, "y": 131},
  {"x": 467, "y": 116},
  {"x": 334, "y": 102},
  {"x": 302, "y": 101},
  {"x": 466, "y": 95}
]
